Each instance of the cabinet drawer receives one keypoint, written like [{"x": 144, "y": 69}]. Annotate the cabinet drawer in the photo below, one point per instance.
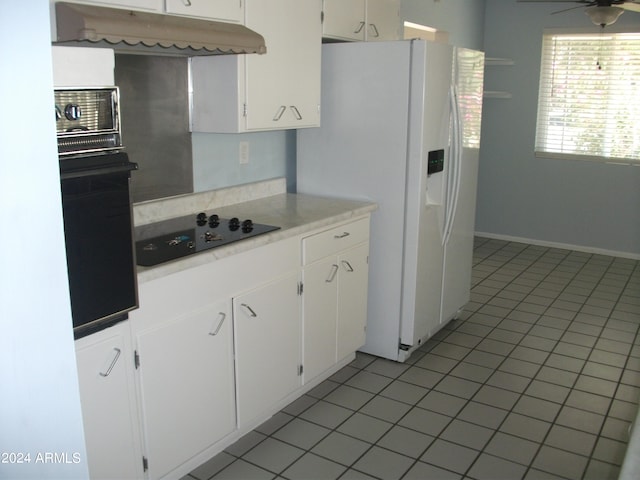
[{"x": 334, "y": 240}]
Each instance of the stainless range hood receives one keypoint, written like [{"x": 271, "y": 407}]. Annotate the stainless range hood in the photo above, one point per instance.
[{"x": 129, "y": 31}]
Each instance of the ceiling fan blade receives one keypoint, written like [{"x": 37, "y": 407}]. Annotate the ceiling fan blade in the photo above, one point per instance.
[
  {"x": 566, "y": 10},
  {"x": 631, "y": 6}
]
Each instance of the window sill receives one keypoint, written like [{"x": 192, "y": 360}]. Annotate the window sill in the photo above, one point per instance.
[{"x": 588, "y": 158}]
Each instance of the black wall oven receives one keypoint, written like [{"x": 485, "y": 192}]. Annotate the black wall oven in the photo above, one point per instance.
[{"x": 96, "y": 203}]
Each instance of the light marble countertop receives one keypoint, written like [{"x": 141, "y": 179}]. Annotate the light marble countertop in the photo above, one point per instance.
[{"x": 295, "y": 214}]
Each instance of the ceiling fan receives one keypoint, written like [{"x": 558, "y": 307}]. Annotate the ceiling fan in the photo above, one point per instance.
[{"x": 601, "y": 12}]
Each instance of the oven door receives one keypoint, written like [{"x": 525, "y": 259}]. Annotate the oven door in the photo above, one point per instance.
[{"x": 99, "y": 240}]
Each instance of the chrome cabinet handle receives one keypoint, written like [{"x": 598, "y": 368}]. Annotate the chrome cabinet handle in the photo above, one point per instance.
[
  {"x": 332, "y": 273},
  {"x": 360, "y": 27},
  {"x": 296, "y": 112},
  {"x": 113, "y": 363},
  {"x": 222, "y": 316},
  {"x": 373, "y": 27},
  {"x": 344, "y": 234},
  {"x": 347, "y": 266},
  {"x": 279, "y": 113},
  {"x": 187, "y": 3},
  {"x": 249, "y": 309}
]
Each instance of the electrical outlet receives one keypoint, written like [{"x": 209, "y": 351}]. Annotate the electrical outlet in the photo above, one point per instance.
[{"x": 244, "y": 153}]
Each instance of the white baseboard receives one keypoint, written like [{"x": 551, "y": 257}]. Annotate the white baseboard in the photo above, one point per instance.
[{"x": 566, "y": 246}]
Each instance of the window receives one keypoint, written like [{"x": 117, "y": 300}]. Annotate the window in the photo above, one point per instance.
[{"x": 589, "y": 102}]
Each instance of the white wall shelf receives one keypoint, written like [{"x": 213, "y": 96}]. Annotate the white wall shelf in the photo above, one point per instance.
[
  {"x": 497, "y": 62},
  {"x": 494, "y": 62},
  {"x": 496, "y": 94}
]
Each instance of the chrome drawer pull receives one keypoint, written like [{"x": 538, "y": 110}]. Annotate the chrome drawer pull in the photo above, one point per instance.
[
  {"x": 250, "y": 310},
  {"x": 279, "y": 113},
  {"x": 332, "y": 273},
  {"x": 347, "y": 266},
  {"x": 345, "y": 234},
  {"x": 296, "y": 112},
  {"x": 113, "y": 363},
  {"x": 222, "y": 317},
  {"x": 360, "y": 26}
]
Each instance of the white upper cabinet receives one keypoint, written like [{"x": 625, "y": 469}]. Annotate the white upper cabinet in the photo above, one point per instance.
[
  {"x": 143, "y": 5},
  {"x": 344, "y": 19},
  {"x": 361, "y": 20},
  {"x": 383, "y": 20},
  {"x": 275, "y": 91},
  {"x": 222, "y": 10}
]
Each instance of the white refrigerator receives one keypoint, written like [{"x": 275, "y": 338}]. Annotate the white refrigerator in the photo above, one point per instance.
[{"x": 401, "y": 127}]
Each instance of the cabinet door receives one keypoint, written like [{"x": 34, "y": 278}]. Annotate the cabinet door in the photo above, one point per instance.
[
  {"x": 383, "y": 20},
  {"x": 187, "y": 385},
  {"x": 283, "y": 86},
  {"x": 267, "y": 340},
  {"x": 344, "y": 19},
  {"x": 352, "y": 299},
  {"x": 109, "y": 411},
  {"x": 219, "y": 10},
  {"x": 320, "y": 307},
  {"x": 143, "y": 5}
]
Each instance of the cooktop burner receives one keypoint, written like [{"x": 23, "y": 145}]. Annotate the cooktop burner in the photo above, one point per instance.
[{"x": 164, "y": 241}]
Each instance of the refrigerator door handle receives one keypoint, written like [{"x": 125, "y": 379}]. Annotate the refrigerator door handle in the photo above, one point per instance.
[
  {"x": 450, "y": 170},
  {"x": 455, "y": 164}
]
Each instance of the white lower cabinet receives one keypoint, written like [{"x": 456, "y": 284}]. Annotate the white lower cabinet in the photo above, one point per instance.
[
  {"x": 334, "y": 295},
  {"x": 267, "y": 334},
  {"x": 216, "y": 349},
  {"x": 352, "y": 299},
  {"x": 109, "y": 412},
  {"x": 186, "y": 385},
  {"x": 320, "y": 304}
]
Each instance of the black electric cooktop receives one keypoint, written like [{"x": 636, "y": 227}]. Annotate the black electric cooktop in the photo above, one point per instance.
[{"x": 178, "y": 237}]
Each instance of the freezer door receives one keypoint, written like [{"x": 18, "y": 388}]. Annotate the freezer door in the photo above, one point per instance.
[
  {"x": 458, "y": 250},
  {"x": 429, "y": 129}
]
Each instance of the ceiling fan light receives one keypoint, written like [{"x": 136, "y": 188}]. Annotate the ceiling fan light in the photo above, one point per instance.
[{"x": 604, "y": 16}]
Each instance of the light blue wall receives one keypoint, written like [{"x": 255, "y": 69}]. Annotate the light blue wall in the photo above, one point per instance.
[
  {"x": 216, "y": 158},
  {"x": 39, "y": 396},
  {"x": 586, "y": 204},
  {"x": 462, "y": 19}
]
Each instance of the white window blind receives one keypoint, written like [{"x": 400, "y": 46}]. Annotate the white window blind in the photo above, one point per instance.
[{"x": 589, "y": 102}]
